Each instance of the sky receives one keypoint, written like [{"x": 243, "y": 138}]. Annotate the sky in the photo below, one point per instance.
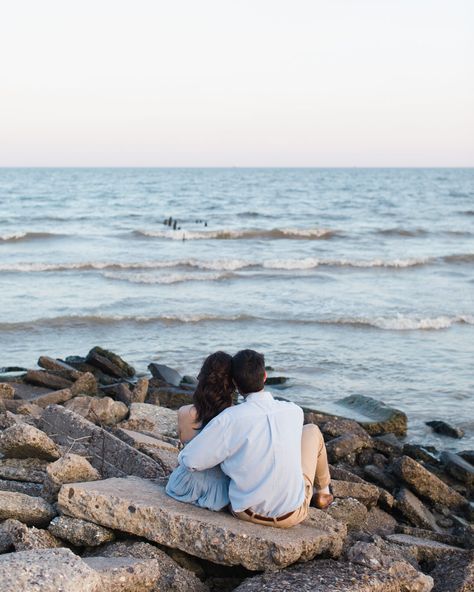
[{"x": 237, "y": 83}]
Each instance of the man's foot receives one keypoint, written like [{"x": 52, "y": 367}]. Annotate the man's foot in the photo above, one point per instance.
[{"x": 321, "y": 500}]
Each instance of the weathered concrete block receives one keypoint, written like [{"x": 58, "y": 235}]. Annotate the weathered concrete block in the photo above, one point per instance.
[
  {"x": 424, "y": 549},
  {"x": 33, "y": 489},
  {"x": 364, "y": 492},
  {"x": 81, "y": 533},
  {"x": 25, "y": 441},
  {"x": 109, "y": 363},
  {"x": 47, "y": 570},
  {"x": 152, "y": 418},
  {"x": 33, "y": 511},
  {"x": 108, "y": 454},
  {"x": 349, "y": 511},
  {"x": 59, "y": 367},
  {"x": 47, "y": 379},
  {"x": 171, "y": 578},
  {"x": 7, "y": 391},
  {"x": 99, "y": 410},
  {"x": 25, "y": 538},
  {"x": 86, "y": 384},
  {"x": 413, "y": 509},
  {"x": 344, "y": 445},
  {"x": 142, "y": 508},
  {"x": 23, "y": 469},
  {"x": 458, "y": 467},
  {"x": 51, "y": 398},
  {"x": 165, "y": 373},
  {"x": 454, "y": 574},
  {"x": 426, "y": 484}
]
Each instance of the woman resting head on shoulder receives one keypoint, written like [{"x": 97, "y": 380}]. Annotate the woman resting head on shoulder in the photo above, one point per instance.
[{"x": 213, "y": 394}]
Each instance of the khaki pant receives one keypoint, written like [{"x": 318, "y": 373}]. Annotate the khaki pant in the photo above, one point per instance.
[{"x": 314, "y": 464}]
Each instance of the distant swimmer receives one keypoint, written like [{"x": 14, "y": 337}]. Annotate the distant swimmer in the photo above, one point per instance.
[{"x": 175, "y": 224}]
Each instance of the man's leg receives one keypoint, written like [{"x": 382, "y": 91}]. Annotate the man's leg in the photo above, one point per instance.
[{"x": 314, "y": 460}]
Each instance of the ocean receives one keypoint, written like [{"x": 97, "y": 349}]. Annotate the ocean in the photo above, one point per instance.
[{"x": 350, "y": 281}]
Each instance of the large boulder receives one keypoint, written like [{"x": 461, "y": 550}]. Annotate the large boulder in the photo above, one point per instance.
[
  {"x": 141, "y": 507},
  {"x": 160, "y": 421},
  {"x": 374, "y": 416},
  {"x": 108, "y": 454},
  {"x": 47, "y": 570},
  {"x": 109, "y": 363},
  {"x": 427, "y": 485},
  {"x": 33, "y": 511},
  {"x": 25, "y": 441},
  {"x": 100, "y": 410}
]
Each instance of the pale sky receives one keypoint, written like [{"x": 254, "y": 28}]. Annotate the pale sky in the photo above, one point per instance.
[{"x": 237, "y": 83}]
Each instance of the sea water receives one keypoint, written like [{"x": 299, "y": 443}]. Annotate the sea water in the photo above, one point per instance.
[{"x": 350, "y": 281}]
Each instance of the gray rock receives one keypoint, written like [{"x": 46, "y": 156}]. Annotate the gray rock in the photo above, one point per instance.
[
  {"x": 333, "y": 576},
  {"x": 363, "y": 492},
  {"x": 142, "y": 508},
  {"x": 33, "y": 511},
  {"x": 86, "y": 384},
  {"x": 123, "y": 393},
  {"x": 441, "y": 427},
  {"x": 379, "y": 476},
  {"x": 342, "y": 474},
  {"x": 344, "y": 445},
  {"x": 160, "y": 421},
  {"x": 349, "y": 511},
  {"x": 59, "y": 367},
  {"x": 26, "y": 441},
  {"x": 423, "y": 549},
  {"x": 108, "y": 454},
  {"x": 23, "y": 469},
  {"x": 71, "y": 468},
  {"x": 6, "y": 391},
  {"x": 100, "y": 410},
  {"x": 385, "y": 559},
  {"x": 458, "y": 467},
  {"x": 172, "y": 577},
  {"x": 414, "y": 511},
  {"x": 81, "y": 533},
  {"x": 47, "y": 379},
  {"x": 467, "y": 455},
  {"x": 25, "y": 538},
  {"x": 168, "y": 396},
  {"x": 276, "y": 380},
  {"x": 454, "y": 574},
  {"x": 421, "y": 453},
  {"x": 109, "y": 363},
  {"x": 189, "y": 380},
  {"x": 335, "y": 427},
  {"x": 426, "y": 484},
  {"x": 374, "y": 416},
  {"x": 165, "y": 373},
  {"x": 20, "y": 487},
  {"x": 51, "y": 397},
  {"x": 47, "y": 570},
  {"x": 379, "y": 523}
]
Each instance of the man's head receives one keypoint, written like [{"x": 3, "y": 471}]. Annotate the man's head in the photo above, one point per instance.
[{"x": 248, "y": 370}]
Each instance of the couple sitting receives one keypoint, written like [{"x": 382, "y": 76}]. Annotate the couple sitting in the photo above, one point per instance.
[{"x": 256, "y": 458}]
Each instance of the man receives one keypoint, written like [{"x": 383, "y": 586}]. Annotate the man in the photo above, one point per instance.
[{"x": 271, "y": 459}]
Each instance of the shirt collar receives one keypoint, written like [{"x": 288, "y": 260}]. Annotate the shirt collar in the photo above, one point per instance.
[{"x": 262, "y": 395}]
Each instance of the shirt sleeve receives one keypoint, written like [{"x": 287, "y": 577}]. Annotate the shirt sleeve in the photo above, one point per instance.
[{"x": 207, "y": 449}]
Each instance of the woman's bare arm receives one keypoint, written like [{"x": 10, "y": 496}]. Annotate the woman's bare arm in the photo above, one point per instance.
[{"x": 188, "y": 425}]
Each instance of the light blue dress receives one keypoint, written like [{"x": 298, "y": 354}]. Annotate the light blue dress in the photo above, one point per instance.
[{"x": 207, "y": 489}]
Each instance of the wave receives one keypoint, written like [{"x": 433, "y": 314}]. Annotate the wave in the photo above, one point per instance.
[
  {"x": 172, "y": 278},
  {"x": 239, "y": 264},
  {"x": 76, "y": 321},
  {"x": 405, "y": 323},
  {"x": 27, "y": 236},
  {"x": 275, "y": 233},
  {"x": 396, "y": 323},
  {"x": 402, "y": 232}
]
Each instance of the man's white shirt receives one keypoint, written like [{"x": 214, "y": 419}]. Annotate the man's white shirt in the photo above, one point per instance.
[{"x": 258, "y": 445}]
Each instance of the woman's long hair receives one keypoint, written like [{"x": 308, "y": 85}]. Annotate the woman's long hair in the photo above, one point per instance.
[{"x": 215, "y": 388}]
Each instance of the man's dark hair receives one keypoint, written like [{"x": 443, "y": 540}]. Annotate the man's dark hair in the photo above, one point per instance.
[{"x": 248, "y": 370}]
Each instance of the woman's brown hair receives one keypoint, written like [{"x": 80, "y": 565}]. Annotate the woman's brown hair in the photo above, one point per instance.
[{"x": 215, "y": 388}]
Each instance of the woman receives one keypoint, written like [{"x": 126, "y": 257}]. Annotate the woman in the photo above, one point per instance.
[{"x": 210, "y": 488}]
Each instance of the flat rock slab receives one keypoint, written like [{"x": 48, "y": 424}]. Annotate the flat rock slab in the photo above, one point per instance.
[
  {"x": 424, "y": 549},
  {"x": 108, "y": 454},
  {"x": 374, "y": 416},
  {"x": 142, "y": 508},
  {"x": 25, "y": 441},
  {"x": 47, "y": 570},
  {"x": 153, "y": 418},
  {"x": 326, "y": 576},
  {"x": 29, "y": 470}
]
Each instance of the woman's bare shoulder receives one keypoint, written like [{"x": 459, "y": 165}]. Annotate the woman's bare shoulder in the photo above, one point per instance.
[{"x": 188, "y": 411}]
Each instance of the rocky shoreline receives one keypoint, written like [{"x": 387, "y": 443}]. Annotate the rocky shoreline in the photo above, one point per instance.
[{"x": 86, "y": 447}]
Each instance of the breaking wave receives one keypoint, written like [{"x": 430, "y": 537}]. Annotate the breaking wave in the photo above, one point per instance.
[
  {"x": 275, "y": 233},
  {"x": 172, "y": 278},
  {"x": 405, "y": 323},
  {"x": 27, "y": 236}
]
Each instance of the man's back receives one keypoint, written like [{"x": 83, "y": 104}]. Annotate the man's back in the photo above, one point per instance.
[{"x": 258, "y": 445}]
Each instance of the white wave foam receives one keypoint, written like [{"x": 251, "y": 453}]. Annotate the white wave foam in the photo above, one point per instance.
[
  {"x": 407, "y": 323},
  {"x": 311, "y": 262},
  {"x": 275, "y": 233},
  {"x": 171, "y": 278},
  {"x": 25, "y": 236}
]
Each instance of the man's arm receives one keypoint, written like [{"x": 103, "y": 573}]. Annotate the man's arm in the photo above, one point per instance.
[{"x": 208, "y": 449}]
